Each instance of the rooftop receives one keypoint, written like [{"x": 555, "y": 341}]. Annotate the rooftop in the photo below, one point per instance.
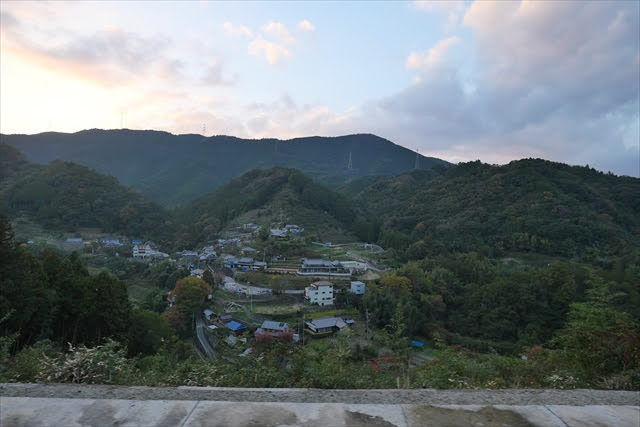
[
  {"x": 319, "y": 263},
  {"x": 328, "y": 322},
  {"x": 278, "y": 326}
]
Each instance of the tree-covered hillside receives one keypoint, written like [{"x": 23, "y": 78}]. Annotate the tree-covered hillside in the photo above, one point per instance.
[
  {"x": 63, "y": 196},
  {"x": 264, "y": 197},
  {"x": 174, "y": 169},
  {"x": 525, "y": 206}
]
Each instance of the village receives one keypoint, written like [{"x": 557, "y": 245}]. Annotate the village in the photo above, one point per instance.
[
  {"x": 255, "y": 298},
  {"x": 258, "y": 293}
]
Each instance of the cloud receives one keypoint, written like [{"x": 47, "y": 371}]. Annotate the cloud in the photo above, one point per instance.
[
  {"x": 433, "y": 57},
  {"x": 110, "y": 56},
  {"x": 284, "y": 118},
  {"x": 272, "y": 42},
  {"x": 279, "y": 31},
  {"x": 214, "y": 74},
  {"x": 272, "y": 52},
  {"x": 237, "y": 31},
  {"x": 558, "y": 80},
  {"x": 453, "y": 9},
  {"x": 305, "y": 25},
  {"x": 107, "y": 56}
]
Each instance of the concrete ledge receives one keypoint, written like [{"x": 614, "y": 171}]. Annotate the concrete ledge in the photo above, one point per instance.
[
  {"x": 32, "y": 411},
  {"x": 402, "y": 396}
]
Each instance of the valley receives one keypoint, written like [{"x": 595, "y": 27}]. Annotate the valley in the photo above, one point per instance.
[{"x": 451, "y": 277}]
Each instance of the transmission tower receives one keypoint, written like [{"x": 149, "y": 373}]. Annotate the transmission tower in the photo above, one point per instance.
[
  {"x": 417, "y": 158},
  {"x": 350, "y": 165}
]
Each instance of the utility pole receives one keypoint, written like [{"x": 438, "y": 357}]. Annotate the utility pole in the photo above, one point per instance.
[{"x": 366, "y": 324}]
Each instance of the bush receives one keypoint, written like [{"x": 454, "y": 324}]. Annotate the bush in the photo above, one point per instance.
[{"x": 103, "y": 364}]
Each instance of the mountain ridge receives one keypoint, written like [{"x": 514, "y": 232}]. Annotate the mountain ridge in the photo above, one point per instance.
[{"x": 175, "y": 169}]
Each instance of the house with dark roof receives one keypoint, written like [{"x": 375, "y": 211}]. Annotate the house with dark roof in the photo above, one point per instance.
[
  {"x": 326, "y": 325},
  {"x": 321, "y": 267},
  {"x": 275, "y": 329}
]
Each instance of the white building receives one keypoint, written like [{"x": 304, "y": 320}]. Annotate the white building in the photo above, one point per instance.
[
  {"x": 358, "y": 288},
  {"x": 145, "y": 252},
  {"x": 320, "y": 293},
  {"x": 354, "y": 266}
]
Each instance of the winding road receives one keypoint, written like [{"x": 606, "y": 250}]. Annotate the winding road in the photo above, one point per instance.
[{"x": 202, "y": 339}]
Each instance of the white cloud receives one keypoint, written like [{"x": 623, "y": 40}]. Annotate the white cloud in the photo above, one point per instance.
[
  {"x": 279, "y": 31},
  {"x": 272, "y": 52},
  {"x": 305, "y": 25},
  {"x": 237, "y": 31},
  {"x": 433, "y": 57},
  {"x": 453, "y": 9}
]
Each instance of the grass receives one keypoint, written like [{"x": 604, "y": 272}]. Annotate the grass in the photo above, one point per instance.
[{"x": 322, "y": 312}]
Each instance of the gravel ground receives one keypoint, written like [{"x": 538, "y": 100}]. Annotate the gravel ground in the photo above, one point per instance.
[{"x": 425, "y": 396}]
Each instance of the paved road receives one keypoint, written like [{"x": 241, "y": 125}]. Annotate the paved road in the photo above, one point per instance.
[
  {"x": 204, "y": 343},
  {"x": 73, "y": 405}
]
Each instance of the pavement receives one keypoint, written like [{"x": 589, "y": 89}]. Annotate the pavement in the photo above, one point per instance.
[
  {"x": 202, "y": 339},
  {"x": 64, "y": 405}
]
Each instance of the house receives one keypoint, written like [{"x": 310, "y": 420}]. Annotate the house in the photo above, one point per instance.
[
  {"x": 245, "y": 263},
  {"x": 259, "y": 265},
  {"x": 145, "y": 253},
  {"x": 358, "y": 288},
  {"x": 293, "y": 229},
  {"x": 230, "y": 261},
  {"x": 209, "y": 314},
  {"x": 250, "y": 226},
  {"x": 208, "y": 254},
  {"x": 248, "y": 249},
  {"x": 188, "y": 255},
  {"x": 74, "y": 240},
  {"x": 112, "y": 242},
  {"x": 226, "y": 318},
  {"x": 320, "y": 293},
  {"x": 236, "y": 327},
  {"x": 197, "y": 272},
  {"x": 354, "y": 266},
  {"x": 278, "y": 234},
  {"x": 326, "y": 325},
  {"x": 321, "y": 267},
  {"x": 208, "y": 257},
  {"x": 275, "y": 329}
]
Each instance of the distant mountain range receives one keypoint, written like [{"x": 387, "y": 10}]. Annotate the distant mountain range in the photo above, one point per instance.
[
  {"x": 529, "y": 205},
  {"x": 174, "y": 169}
]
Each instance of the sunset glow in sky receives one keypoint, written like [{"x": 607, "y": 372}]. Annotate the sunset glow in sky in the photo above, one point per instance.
[{"x": 456, "y": 80}]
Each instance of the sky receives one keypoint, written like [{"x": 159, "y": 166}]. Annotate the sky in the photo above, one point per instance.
[{"x": 458, "y": 80}]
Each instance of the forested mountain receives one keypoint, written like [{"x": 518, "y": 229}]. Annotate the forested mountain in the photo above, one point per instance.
[
  {"x": 264, "y": 197},
  {"x": 174, "y": 169},
  {"x": 525, "y": 206},
  {"x": 63, "y": 196}
]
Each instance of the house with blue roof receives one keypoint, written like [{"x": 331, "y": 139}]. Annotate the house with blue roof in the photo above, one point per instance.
[{"x": 236, "y": 327}]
